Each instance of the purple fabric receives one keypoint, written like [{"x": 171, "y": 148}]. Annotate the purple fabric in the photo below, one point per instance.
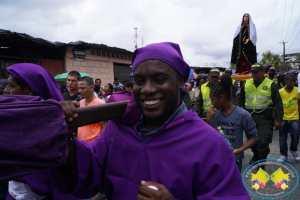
[
  {"x": 132, "y": 114},
  {"x": 167, "y": 52},
  {"x": 23, "y": 148},
  {"x": 188, "y": 156},
  {"x": 38, "y": 78}
]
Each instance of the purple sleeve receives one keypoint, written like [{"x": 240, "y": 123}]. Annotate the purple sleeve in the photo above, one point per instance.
[
  {"x": 219, "y": 177},
  {"x": 32, "y": 137},
  {"x": 86, "y": 181}
]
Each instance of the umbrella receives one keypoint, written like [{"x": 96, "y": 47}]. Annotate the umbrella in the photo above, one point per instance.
[
  {"x": 63, "y": 76},
  {"x": 193, "y": 74},
  {"x": 292, "y": 72}
]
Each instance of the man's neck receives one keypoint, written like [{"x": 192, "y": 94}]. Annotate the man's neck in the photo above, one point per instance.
[
  {"x": 89, "y": 99},
  {"x": 151, "y": 124},
  {"x": 73, "y": 92}
]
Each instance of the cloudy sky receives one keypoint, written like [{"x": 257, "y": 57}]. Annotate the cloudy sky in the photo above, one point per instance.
[{"x": 203, "y": 28}]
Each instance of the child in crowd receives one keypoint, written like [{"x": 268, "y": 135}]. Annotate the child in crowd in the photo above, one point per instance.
[
  {"x": 232, "y": 119},
  {"x": 290, "y": 123}
]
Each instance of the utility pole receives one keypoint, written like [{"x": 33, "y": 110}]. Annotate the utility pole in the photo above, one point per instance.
[
  {"x": 135, "y": 35},
  {"x": 283, "y": 67}
]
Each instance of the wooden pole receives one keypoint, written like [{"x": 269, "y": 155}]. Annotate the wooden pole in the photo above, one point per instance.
[{"x": 98, "y": 113}]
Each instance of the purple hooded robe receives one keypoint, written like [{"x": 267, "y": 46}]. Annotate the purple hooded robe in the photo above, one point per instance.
[
  {"x": 47, "y": 149},
  {"x": 188, "y": 156}
]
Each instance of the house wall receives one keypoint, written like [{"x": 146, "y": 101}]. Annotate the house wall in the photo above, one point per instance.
[
  {"x": 94, "y": 65},
  {"x": 53, "y": 66}
]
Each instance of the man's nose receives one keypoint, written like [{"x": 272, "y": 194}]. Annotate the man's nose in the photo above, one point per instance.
[
  {"x": 6, "y": 90},
  {"x": 148, "y": 88}
]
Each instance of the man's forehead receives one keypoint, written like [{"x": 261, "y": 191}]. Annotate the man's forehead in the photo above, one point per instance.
[
  {"x": 155, "y": 65},
  {"x": 72, "y": 77},
  {"x": 11, "y": 79}
]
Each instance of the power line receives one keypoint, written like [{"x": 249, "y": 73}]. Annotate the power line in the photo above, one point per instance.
[
  {"x": 290, "y": 19},
  {"x": 269, "y": 47},
  {"x": 294, "y": 40},
  {"x": 295, "y": 27},
  {"x": 283, "y": 18},
  {"x": 269, "y": 25}
]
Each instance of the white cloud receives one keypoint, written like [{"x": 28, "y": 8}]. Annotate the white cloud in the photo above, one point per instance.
[{"x": 204, "y": 29}]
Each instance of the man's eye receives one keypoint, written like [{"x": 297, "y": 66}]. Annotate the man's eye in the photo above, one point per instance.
[
  {"x": 160, "y": 80},
  {"x": 138, "y": 81}
]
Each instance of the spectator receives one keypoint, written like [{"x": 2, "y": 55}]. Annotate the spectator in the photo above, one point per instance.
[
  {"x": 98, "y": 81},
  {"x": 290, "y": 123},
  {"x": 72, "y": 83},
  {"x": 108, "y": 88},
  {"x": 129, "y": 86},
  {"x": 199, "y": 82},
  {"x": 203, "y": 102},
  {"x": 96, "y": 90},
  {"x": 117, "y": 83},
  {"x": 86, "y": 89},
  {"x": 232, "y": 119}
]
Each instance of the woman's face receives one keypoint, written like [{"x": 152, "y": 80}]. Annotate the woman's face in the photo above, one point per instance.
[
  {"x": 246, "y": 17},
  {"x": 106, "y": 88},
  {"x": 201, "y": 82},
  {"x": 189, "y": 87}
]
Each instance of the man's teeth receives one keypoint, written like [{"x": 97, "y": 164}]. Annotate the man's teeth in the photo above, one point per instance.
[{"x": 151, "y": 102}]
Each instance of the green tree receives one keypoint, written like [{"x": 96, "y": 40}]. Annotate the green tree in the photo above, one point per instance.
[
  {"x": 272, "y": 59},
  {"x": 266, "y": 58},
  {"x": 298, "y": 57},
  {"x": 276, "y": 60}
]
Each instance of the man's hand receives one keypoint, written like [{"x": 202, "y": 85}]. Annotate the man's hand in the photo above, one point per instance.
[
  {"x": 69, "y": 109},
  {"x": 277, "y": 125},
  {"x": 148, "y": 193}
]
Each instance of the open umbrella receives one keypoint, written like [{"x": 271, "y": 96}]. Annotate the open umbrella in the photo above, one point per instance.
[
  {"x": 193, "y": 74},
  {"x": 63, "y": 76},
  {"x": 292, "y": 72}
]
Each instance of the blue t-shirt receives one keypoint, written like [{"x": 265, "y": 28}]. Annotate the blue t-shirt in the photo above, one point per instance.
[{"x": 233, "y": 126}]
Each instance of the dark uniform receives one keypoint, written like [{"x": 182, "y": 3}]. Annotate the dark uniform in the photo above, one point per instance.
[
  {"x": 199, "y": 103},
  {"x": 264, "y": 121}
]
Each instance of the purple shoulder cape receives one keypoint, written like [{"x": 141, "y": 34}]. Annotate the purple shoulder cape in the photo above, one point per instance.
[{"x": 32, "y": 137}]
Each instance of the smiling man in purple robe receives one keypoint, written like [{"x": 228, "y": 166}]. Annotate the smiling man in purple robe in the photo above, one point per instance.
[{"x": 170, "y": 147}]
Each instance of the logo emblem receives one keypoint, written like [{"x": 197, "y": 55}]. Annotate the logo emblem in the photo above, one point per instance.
[
  {"x": 265, "y": 88},
  {"x": 276, "y": 180}
]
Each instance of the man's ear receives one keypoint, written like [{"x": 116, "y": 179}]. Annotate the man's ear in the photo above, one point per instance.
[
  {"x": 29, "y": 91},
  {"x": 180, "y": 82},
  {"x": 92, "y": 87}
]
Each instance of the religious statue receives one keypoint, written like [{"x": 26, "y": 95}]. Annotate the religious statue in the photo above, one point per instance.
[{"x": 244, "y": 46}]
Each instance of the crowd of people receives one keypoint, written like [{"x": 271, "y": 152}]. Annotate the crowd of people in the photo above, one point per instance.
[{"x": 166, "y": 145}]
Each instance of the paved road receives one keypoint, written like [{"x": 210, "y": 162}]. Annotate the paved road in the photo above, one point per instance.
[{"x": 275, "y": 153}]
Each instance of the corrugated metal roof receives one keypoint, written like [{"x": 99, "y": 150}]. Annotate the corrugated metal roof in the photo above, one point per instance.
[{"x": 77, "y": 44}]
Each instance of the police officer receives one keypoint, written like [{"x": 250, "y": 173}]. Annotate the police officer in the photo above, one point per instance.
[
  {"x": 203, "y": 102},
  {"x": 260, "y": 97},
  {"x": 272, "y": 75},
  {"x": 234, "y": 87}
]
